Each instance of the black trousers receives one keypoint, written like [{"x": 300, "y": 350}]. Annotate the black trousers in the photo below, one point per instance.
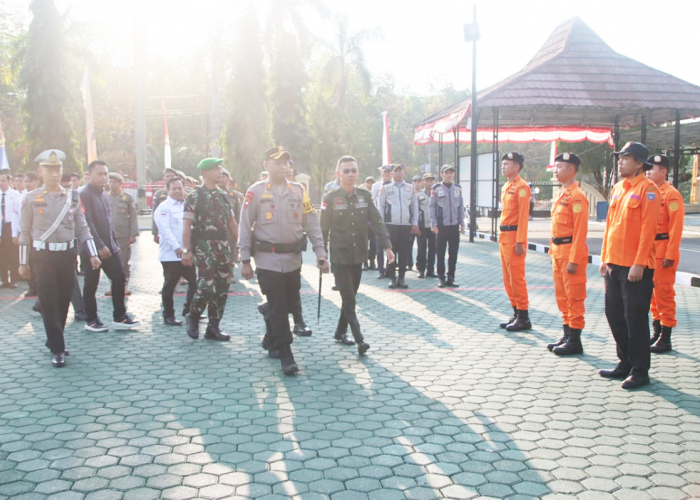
[
  {"x": 426, "y": 244},
  {"x": 76, "y": 296},
  {"x": 400, "y": 237},
  {"x": 172, "y": 272},
  {"x": 627, "y": 309},
  {"x": 53, "y": 270},
  {"x": 447, "y": 239},
  {"x": 9, "y": 255},
  {"x": 282, "y": 292},
  {"x": 115, "y": 272},
  {"x": 32, "y": 279},
  {"x": 372, "y": 252},
  {"x": 380, "y": 255},
  {"x": 347, "y": 277}
]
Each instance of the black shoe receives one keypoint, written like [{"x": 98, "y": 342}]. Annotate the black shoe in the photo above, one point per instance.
[
  {"x": 126, "y": 323},
  {"x": 171, "y": 321},
  {"x": 572, "y": 345},
  {"x": 31, "y": 293},
  {"x": 372, "y": 266},
  {"x": 635, "y": 381},
  {"x": 96, "y": 326},
  {"x": 65, "y": 351},
  {"x": 302, "y": 330},
  {"x": 344, "y": 338},
  {"x": 522, "y": 322},
  {"x": 663, "y": 344},
  {"x": 80, "y": 316},
  {"x": 421, "y": 275},
  {"x": 264, "y": 308},
  {"x": 618, "y": 372},
  {"x": 381, "y": 275},
  {"x": 362, "y": 347},
  {"x": 59, "y": 360},
  {"x": 561, "y": 341},
  {"x": 192, "y": 326},
  {"x": 508, "y": 322},
  {"x": 335, "y": 288},
  {"x": 451, "y": 283},
  {"x": 401, "y": 283},
  {"x": 214, "y": 333},
  {"x": 365, "y": 267},
  {"x": 274, "y": 353},
  {"x": 36, "y": 307},
  {"x": 442, "y": 283},
  {"x": 185, "y": 311},
  {"x": 289, "y": 366},
  {"x": 431, "y": 274},
  {"x": 393, "y": 283},
  {"x": 656, "y": 325}
]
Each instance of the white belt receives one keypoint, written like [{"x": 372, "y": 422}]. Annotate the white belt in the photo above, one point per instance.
[{"x": 53, "y": 247}]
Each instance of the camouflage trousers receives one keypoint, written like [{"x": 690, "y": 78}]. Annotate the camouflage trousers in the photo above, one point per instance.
[{"x": 213, "y": 259}]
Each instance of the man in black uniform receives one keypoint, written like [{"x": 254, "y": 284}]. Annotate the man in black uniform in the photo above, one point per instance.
[
  {"x": 346, "y": 215},
  {"x": 51, "y": 220}
]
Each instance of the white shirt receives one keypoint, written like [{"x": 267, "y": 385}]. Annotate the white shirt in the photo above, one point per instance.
[
  {"x": 168, "y": 219},
  {"x": 12, "y": 205}
]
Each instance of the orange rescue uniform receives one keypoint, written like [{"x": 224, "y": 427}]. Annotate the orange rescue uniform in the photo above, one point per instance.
[
  {"x": 669, "y": 230},
  {"x": 569, "y": 233},
  {"x": 515, "y": 203},
  {"x": 631, "y": 226}
]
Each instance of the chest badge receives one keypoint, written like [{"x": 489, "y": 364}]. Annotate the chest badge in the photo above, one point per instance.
[{"x": 268, "y": 215}]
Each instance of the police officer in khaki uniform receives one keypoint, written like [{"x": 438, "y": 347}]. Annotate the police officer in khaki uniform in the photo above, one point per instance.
[
  {"x": 51, "y": 219},
  {"x": 126, "y": 224},
  {"x": 275, "y": 215}
]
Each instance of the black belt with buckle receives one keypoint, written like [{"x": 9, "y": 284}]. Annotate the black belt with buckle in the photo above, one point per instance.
[
  {"x": 563, "y": 241},
  {"x": 661, "y": 236},
  {"x": 264, "y": 246},
  {"x": 509, "y": 228}
]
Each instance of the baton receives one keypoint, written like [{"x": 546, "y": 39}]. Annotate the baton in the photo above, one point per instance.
[{"x": 320, "y": 284}]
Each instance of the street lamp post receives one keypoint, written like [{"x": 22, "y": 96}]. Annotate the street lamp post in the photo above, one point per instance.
[{"x": 471, "y": 34}]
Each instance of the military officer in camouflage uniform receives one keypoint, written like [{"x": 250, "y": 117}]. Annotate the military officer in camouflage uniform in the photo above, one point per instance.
[
  {"x": 275, "y": 215},
  {"x": 212, "y": 224},
  {"x": 50, "y": 221},
  {"x": 159, "y": 197},
  {"x": 237, "y": 204},
  {"x": 126, "y": 224}
]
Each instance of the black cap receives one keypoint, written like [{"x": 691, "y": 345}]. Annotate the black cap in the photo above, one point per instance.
[
  {"x": 661, "y": 160},
  {"x": 514, "y": 157},
  {"x": 446, "y": 167},
  {"x": 385, "y": 168},
  {"x": 636, "y": 149},
  {"x": 277, "y": 153},
  {"x": 394, "y": 166},
  {"x": 569, "y": 158}
]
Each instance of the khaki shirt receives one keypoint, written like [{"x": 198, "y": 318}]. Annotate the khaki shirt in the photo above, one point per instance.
[
  {"x": 124, "y": 215},
  {"x": 39, "y": 211},
  {"x": 278, "y": 219}
]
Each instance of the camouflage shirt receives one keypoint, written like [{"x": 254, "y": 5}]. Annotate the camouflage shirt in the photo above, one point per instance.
[{"x": 210, "y": 210}]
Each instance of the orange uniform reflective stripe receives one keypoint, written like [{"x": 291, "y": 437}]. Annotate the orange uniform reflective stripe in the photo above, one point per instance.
[
  {"x": 631, "y": 226},
  {"x": 515, "y": 203},
  {"x": 670, "y": 221},
  {"x": 570, "y": 219}
]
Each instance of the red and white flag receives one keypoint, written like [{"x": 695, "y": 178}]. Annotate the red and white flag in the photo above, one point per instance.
[
  {"x": 167, "y": 155},
  {"x": 552, "y": 156},
  {"x": 386, "y": 153}
]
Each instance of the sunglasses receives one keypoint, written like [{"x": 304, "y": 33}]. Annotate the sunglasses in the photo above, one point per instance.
[{"x": 350, "y": 171}]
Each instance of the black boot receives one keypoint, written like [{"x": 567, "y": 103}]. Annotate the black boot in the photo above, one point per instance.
[
  {"x": 572, "y": 345},
  {"x": 213, "y": 332},
  {"x": 562, "y": 340},
  {"x": 522, "y": 322},
  {"x": 372, "y": 265},
  {"x": 663, "y": 344},
  {"x": 508, "y": 322},
  {"x": 192, "y": 326},
  {"x": 393, "y": 282},
  {"x": 656, "y": 324},
  {"x": 421, "y": 274},
  {"x": 451, "y": 283},
  {"x": 301, "y": 329},
  {"x": 289, "y": 366},
  {"x": 442, "y": 283},
  {"x": 401, "y": 283}
]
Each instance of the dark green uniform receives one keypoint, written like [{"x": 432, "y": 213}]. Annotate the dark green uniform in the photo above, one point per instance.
[{"x": 210, "y": 212}]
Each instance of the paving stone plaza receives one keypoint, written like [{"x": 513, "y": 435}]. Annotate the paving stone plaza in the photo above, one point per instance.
[{"x": 445, "y": 405}]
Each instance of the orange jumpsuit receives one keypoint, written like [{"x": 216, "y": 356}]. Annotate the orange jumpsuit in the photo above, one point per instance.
[
  {"x": 515, "y": 203},
  {"x": 669, "y": 230},
  {"x": 569, "y": 232}
]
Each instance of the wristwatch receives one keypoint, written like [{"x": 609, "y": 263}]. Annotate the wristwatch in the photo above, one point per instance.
[{"x": 185, "y": 250}]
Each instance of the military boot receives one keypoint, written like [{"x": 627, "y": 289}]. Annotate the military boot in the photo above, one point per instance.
[
  {"x": 572, "y": 345},
  {"x": 401, "y": 283},
  {"x": 393, "y": 282},
  {"x": 663, "y": 344},
  {"x": 509, "y": 321},
  {"x": 192, "y": 326},
  {"x": 300, "y": 327},
  {"x": 214, "y": 332},
  {"x": 289, "y": 366},
  {"x": 562, "y": 340},
  {"x": 656, "y": 325},
  {"x": 522, "y": 322}
]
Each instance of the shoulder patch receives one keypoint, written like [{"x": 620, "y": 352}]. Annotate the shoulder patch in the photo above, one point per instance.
[
  {"x": 577, "y": 208},
  {"x": 673, "y": 206},
  {"x": 307, "y": 207},
  {"x": 651, "y": 195},
  {"x": 522, "y": 192},
  {"x": 248, "y": 198}
]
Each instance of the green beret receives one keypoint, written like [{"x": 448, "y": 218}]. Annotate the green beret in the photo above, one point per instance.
[{"x": 209, "y": 163}]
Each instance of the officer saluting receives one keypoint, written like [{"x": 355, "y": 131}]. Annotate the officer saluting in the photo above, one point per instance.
[
  {"x": 669, "y": 231},
  {"x": 275, "y": 215},
  {"x": 569, "y": 253},
  {"x": 628, "y": 259},
  {"x": 51, "y": 219}
]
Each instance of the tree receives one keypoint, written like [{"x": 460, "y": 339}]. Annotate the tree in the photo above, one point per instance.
[
  {"x": 44, "y": 78},
  {"x": 247, "y": 134}
]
